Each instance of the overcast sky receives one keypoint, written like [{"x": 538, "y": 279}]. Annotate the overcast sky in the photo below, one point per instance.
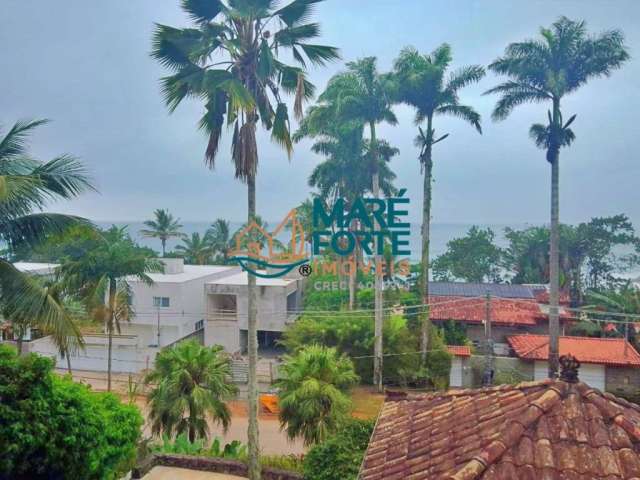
[{"x": 86, "y": 65}]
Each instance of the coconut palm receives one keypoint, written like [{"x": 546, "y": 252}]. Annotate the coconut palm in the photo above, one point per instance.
[
  {"x": 26, "y": 185},
  {"x": 190, "y": 382},
  {"x": 422, "y": 82},
  {"x": 313, "y": 393},
  {"x": 101, "y": 277},
  {"x": 219, "y": 236},
  {"x": 163, "y": 227},
  {"x": 231, "y": 60},
  {"x": 196, "y": 250},
  {"x": 546, "y": 70},
  {"x": 361, "y": 95}
]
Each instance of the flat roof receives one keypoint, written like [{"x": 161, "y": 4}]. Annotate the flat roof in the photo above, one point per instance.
[
  {"x": 191, "y": 272},
  {"x": 242, "y": 278},
  {"x": 36, "y": 267}
]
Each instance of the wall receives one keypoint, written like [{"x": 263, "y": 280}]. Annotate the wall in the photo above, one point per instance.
[
  {"x": 207, "y": 464},
  {"x": 187, "y": 306},
  {"x": 507, "y": 370},
  {"x": 616, "y": 381},
  {"x": 475, "y": 332},
  {"x": 126, "y": 356},
  {"x": 272, "y": 313}
]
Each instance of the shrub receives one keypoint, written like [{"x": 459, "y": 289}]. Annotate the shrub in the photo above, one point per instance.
[
  {"x": 340, "y": 456},
  {"x": 51, "y": 427},
  {"x": 313, "y": 392},
  {"x": 181, "y": 445}
]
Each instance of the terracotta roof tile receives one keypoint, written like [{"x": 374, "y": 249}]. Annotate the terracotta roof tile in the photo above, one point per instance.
[
  {"x": 504, "y": 311},
  {"x": 604, "y": 351},
  {"x": 535, "y": 430},
  {"x": 459, "y": 350}
]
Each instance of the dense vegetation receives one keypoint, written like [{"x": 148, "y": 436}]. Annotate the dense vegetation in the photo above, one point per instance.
[
  {"x": 51, "y": 427},
  {"x": 340, "y": 456}
]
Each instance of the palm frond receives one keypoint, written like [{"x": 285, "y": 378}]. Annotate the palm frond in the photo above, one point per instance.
[
  {"x": 462, "y": 112},
  {"x": 203, "y": 10},
  {"x": 14, "y": 143},
  {"x": 296, "y": 12}
]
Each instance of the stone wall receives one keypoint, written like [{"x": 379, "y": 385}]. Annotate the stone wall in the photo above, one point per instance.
[
  {"x": 208, "y": 464},
  {"x": 623, "y": 381},
  {"x": 475, "y": 332},
  {"x": 507, "y": 370}
]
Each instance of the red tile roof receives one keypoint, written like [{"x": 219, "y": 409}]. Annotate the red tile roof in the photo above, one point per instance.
[
  {"x": 547, "y": 430},
  {"x": 504, "y": 311},
  {"x": 459, "y": 350},
  {"x": 604, "y": 351},
  {"x": 472, "y": 310}
]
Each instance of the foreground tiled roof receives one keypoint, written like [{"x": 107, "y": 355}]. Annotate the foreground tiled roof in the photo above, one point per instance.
[
  {"x": 604, "y": 351},
  {"x": 459, "y": 350},
  {"x": 547, "y": 430}
]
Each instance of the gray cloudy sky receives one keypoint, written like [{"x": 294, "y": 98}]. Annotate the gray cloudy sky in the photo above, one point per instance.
[{"x": 86, "y": 65}]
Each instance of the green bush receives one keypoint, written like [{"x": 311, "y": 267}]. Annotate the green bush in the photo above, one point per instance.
[
  {"x": 340, "y": 456},
  {"x": 51, "y": 427},
  {"x": 353, "y": 335},
  {"x": 290, "y": 463},
  {"x": 181, "y": 445}
]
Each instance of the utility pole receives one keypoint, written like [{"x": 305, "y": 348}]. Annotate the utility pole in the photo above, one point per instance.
[
  {"x": 158, "y": 313},
  {"x": 487, "y": 377}
]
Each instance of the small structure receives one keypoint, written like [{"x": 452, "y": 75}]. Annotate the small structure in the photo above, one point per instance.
[
  {"x": 610, "y": 364},
  {"x": 551, "y": 429},
  {"x": 460, "y": 370}
]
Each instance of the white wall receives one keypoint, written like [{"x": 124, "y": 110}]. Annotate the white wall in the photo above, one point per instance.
[{"x": 126, "y": 356}]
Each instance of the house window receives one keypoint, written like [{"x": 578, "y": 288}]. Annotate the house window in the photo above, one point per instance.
[
  {"x": 161, "y": 302},
  {"x": 199, "y": 325}
]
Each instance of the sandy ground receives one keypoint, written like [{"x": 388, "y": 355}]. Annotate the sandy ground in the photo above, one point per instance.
[
  {"x": 170, "y": 473},
  {"x": 272, "y": 440}
]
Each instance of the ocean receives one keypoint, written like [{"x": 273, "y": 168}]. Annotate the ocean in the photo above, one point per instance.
[{"x": 441, "y": 233}]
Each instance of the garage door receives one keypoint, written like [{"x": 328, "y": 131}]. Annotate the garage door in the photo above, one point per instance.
[
  {"x": 592, "y": 375},
  {"x": 455, "y": 376}
]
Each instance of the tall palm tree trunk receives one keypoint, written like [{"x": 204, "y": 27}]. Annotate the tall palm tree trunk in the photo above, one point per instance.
[
  {"x": 427, "y": 162},
  {"x": 378, "y": 325},
  {"x": 252, "y": 345},
  {"x": 164, "y": 247},
  {"x": 554, "y": 255},
  {"x": 110, "y": 320},
  {"x": 66, "y": 354}
]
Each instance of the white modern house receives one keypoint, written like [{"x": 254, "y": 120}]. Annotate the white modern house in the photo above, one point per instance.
[
  {"x": 208, "y": 302},
  {"x": 279, "y": 301}
]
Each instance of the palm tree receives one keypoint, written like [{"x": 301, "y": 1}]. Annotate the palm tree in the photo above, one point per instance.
[
  {"x": 163, "y": 227},
  {"x": 191, "y": 382},
  {"x": 101, "y": 277},
  {"x": 546, "y": 70},
  {"x": 196, "y": 250},
  {"x": 219, "y": 236},
  {"x": 362, "y": 96},
  {"x": 421, "y": 81},
  {"x": 313, "y": 393},
  {"x": 341, "y": 175},
  {"x": 26, "y": 185},
  {"x": 231, "y": 61}
]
